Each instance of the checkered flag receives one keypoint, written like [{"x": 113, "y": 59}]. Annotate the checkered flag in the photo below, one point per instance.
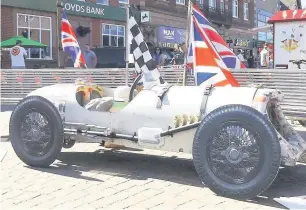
[{"x": 142, "y": 57}]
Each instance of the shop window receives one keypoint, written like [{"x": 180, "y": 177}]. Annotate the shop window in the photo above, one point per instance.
[
  {"x": 113, "y": 35},
  {"x": 246, "y": 11},
  {"x": 124, "y": 1},
  {"x": 182, "y": 2},
  {"x": 235, "y": 9},
  {"x": 103, "y": 2},
  {"x": 37, "y": 28},
  {"x": 213, "y": 3}
]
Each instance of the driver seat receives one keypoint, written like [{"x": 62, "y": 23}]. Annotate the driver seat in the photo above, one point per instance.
[
  {"x": 100, "y": 104},
  {"x": 105, "y": 104}
]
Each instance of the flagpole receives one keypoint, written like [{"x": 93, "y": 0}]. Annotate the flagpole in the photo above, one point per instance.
[
  {"x": 127, "y": 45},
  {"x": 59, "y": 6},
  {"x": 187, "y": 40}
]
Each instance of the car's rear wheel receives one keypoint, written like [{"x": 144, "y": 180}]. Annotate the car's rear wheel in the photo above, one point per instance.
[
  {"x": 236, "y": 152},
  {"x": 36, "y": 131}
]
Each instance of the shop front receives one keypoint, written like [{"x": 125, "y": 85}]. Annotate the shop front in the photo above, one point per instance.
[
  {"x": 245, "y": 46},
  {"x": 170, "y": 37},
  {"x": 95, "y": 24}
]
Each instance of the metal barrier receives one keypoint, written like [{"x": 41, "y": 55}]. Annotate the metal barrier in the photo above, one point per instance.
[
  {"x": 16, "y": 83},
  {"x": 290, "y": 82}
]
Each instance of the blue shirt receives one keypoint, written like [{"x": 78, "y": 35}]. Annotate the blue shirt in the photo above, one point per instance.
[{"x": 89, "y": 58}]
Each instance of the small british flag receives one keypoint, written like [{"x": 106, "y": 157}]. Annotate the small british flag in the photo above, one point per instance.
[{"x": 70, "y": 43}]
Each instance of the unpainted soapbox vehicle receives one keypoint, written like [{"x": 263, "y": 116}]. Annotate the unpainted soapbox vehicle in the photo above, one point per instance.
[{"x": 238, "y": 137}]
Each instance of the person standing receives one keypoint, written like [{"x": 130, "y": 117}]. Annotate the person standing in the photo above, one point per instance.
[
  {"x": 264, "y": 57},
  {"x": 18, "y": 55},
  {"x": 251, "y": 61},
  {"x": 90, "y": 57},
  {"x": 159, "y": 57},
  {"x": 240, "y": 56}
]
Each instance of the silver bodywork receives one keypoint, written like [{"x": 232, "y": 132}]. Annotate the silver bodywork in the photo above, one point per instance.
[{"x": 146, "y": 116}]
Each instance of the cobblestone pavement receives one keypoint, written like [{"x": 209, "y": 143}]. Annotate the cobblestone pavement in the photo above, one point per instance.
[{"x": 88, "y": 177}]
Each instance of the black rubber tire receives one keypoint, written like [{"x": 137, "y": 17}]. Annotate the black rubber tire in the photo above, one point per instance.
[
  {"x": 41, "y": 105},
  {"x": 267, "y": 173}
]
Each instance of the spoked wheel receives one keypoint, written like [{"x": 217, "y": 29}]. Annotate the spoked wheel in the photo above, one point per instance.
[
  {"x": 36, "y": 131},
  {"x": 236, "y": 152}
]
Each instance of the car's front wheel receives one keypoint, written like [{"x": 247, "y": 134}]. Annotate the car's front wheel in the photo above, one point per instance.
[
  {"x": 236, "y": 152},
  {"x": 36, "y": 131}
]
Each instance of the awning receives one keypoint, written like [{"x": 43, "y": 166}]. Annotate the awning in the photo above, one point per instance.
[{"x": 267, "y": 28}]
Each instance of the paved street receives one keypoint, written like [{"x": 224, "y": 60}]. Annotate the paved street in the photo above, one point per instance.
[{"x": 88, "y": 177}]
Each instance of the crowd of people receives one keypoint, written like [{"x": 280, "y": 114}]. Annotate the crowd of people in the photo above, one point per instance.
[
  {"x": 163, "y": 57},
  {"x": 264, "y": 58}
]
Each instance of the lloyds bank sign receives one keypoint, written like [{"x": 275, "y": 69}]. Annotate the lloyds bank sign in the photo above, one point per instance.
[
  {"x": 93, "y": 10},
  {"x": 73, "y": 7},
  {"x": 85, "y": 9}
]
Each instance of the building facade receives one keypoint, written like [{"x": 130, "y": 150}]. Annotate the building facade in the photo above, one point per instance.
[
  {"x": 265, "y": 10},
  {"x": 106, "y": 19},
  {"x": 232, "y": 19},
  {"x": 168, "y": 24},
  {"x": 37, "y": 20}
]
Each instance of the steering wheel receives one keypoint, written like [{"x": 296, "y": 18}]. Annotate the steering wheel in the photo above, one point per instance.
[{"x": 136, "y": 86}]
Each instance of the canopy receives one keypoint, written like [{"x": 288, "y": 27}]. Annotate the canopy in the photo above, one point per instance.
[
  {"x": 267, "y": 28},
  {"x": 25, "y": 42},
  {"x": 288, "y": 15}
]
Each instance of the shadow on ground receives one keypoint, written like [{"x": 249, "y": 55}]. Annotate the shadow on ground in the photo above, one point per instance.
[{"x": 289, "y": 183}]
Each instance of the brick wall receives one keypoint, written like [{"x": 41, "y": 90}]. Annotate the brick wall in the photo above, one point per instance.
[
  {"x": 240, "y": 22},
  {"x": 7, "y": 31}
]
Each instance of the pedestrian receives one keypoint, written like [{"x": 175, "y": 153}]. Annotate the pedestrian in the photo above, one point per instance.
[
  {"x": 240, "y": 56},
  {"x": 159, "y": 57},
  {"x": 18, "y": 55},
  {"x": 90, "y": 57},
  {"x": 251, "y": 61},
  {"x": 271, "y": 61},
  {"x": 264, "y": 57}
]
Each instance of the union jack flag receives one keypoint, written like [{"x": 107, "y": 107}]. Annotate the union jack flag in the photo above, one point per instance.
[
  {"x": 208, "y": 65},
  {"x": 227, "y": 55},
  {"x": 70, "y": 43}
]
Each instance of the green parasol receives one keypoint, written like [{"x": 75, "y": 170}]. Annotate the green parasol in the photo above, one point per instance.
[{"x": 25, "y": 42}]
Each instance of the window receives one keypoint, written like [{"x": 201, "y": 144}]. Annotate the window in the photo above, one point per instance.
[
  {"x": 235, "y": 8},
  {"x": 213, "y": 3},
  {"x": 103, "y": 2},
  {"x": 246, "y": 11},
  {"x": 180, "y": 2},
  {"x": 37, "y": 28},
  {"x": 124, "y": 1},
  {"x": 222, "y": 7},
  {"x": 113, "y": 35}
]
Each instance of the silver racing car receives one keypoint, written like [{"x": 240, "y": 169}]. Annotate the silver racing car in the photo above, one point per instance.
[{"x": 238, "y": 136}]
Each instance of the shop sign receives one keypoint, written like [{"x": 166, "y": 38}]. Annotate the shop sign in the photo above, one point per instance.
[
  {"x": 75, "y": 7},
  {"x": 241, "y": 43},
  {"x": 171, "y": 35},
  {"x": 168, "y": 45}
]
